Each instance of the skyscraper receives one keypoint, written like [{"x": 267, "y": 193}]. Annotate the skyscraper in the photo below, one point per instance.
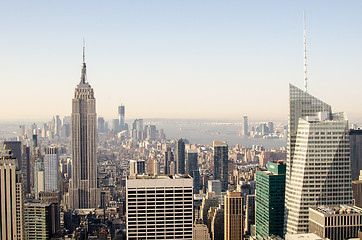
[
  {"x": 245, "y": 126},
  {"x": 355, "y": 141},
  {"x": 83, "y": 192},
  {"x": 51, "y": 169},
  {"x": 159, "y": 207},
  {"x": 270, "y": 200},
  {"x": 168, "y": 159},
  {"x": 318, "y": 164},
  {"x": 121, "y": 117},
  {"x": 221, "y": 163},
  {"x": 15, "y": 148},
  {"x": 233, "y": 225},
  {"x": 192, "y": 168},
  {"x": 11, "y": 199},
  {"x": 180, "y": 156}
]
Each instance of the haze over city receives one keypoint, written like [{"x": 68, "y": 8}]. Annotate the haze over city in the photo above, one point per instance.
[{"x": 178, "y": 59}]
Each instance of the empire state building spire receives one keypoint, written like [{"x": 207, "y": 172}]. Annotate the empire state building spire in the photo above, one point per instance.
[{"x": 83, "y": 77}]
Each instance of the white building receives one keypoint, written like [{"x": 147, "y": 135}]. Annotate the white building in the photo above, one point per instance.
[
  {"x": 201, "y": 232},
  {"x": 318, "y": 163},
  {"x": 159, "y": 207},
  {"x": 51, "y": 169}
]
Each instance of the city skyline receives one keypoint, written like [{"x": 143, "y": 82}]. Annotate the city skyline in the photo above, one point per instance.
[{"x": 168, "y": 60}]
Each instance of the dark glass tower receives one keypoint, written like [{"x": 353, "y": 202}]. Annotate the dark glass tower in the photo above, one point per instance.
[
  {"x": 221, "y": 163},
  {"x": 180, "y": 156}
]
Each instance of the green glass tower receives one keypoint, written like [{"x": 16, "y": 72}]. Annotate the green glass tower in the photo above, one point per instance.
[{"x": 270, "y": 199}]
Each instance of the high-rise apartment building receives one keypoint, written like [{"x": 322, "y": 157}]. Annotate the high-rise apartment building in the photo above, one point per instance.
[
  {"x": 270, "y": 200},
  {"x": 83, "y": 192},
  {"x": 245, "y": 126},
  {"x": 318, "y": 163},
  {"x": 233, "y": 225},
  {"x": 180, "y": 156},
  {"x": 11, "y": 199},
  {"x": 221, "y": 163},
  {"x": 51, "y": 169},
  {"x": 159, "y": 207}
]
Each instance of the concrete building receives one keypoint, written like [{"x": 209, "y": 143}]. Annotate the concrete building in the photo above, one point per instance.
[
  {"x": 337, "y": 222},
  {"x": 137, "y": 167},
  {"x": 201, "y": 232},
  {"x": 355, "y": 144},
  {"x": 318, "y": 159},
  {"x": 221, "y": 163},
  {"x": 159, "y": 207},
  {"x": 83, "y": 192},
  {"x": 233, "y": 222},
  {"x": 51, "y": 169},
  {"x": 304, "y": 236},
  {"x": 37, "y": 221},
  {"x": 270, "y": 200},
  {"x": 208, "y": 201},
  {"x": 11, "y": 199}
]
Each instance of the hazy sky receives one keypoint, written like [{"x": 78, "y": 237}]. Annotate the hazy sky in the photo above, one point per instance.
[{"x": 178, "y": 59}]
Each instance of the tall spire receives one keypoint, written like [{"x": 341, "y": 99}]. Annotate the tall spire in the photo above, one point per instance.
[
  {"x": 305, "y": 56},
  {"x": 83, "y": 77}
]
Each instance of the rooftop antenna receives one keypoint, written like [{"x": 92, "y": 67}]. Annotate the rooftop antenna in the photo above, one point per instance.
[
  {"x": 83, "y": 50},
  {"x": 305, "y": 57}
]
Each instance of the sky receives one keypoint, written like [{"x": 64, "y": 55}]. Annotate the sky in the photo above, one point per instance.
[{"x": 179, "y": 59}]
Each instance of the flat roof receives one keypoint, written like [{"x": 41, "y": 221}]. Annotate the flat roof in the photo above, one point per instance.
[{"x": 334, "y": 210}]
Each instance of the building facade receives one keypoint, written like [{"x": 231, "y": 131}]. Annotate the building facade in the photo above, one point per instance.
[
  {"x": 51, "y": 169},
  {"x": 180, "y": 156},
  {"x": 83, "y": 192},
  {"x": 355, "y": 143},
  {"x": 159, "y": 207}
]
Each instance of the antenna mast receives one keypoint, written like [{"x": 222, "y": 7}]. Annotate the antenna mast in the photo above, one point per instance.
[{"x": 305, "y": 57}]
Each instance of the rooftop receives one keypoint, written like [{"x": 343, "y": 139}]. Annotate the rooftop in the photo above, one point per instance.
[
  {"x": 145, "y": 176},
  {"x": 342, "y": 209}
]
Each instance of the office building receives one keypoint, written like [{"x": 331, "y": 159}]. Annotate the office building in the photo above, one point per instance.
[
  {"x": 355, "y": 144},
  {"x": 51, "y": 169},
  {"x": 318, "y": 164},
  {"x": 83, "y": 192},
  {"x": 334, "y": 223},
  {"x": 15, "y": 148},
  {"x": 159, "y": 207},
  {"x": 245, "y": 126},
  {"x": 101, "y": 127},
  {"x": 115, "y": 126},
  {"x": 208, "y": 201},
  {"x": 270, "y": 200},
  {"x": 27, "y": 167},
  {"x": 221, "y": 163},
  {"x": 11, "y": 199},
  {"x": 38, "y": 221},
  {"x": 180, "y": 156},
  {"x": 192, "y": 168},
  {"x": 214, "y": 186},
  {"x": 150, "y": 132},
  {"x": 357, "y": 191},
  {"x": 233, "y": 225},
  {"x": 137, "y": 130}
]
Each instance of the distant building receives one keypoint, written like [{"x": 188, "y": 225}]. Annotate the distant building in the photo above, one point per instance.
[
  {"x": 159, "y": 199},
  {"x": 208, "y": 201},
  {"x": 221, "y": 163},
  {"x": 233, "y": 225},
  {"x": 270, "y": 200},
  {"x": 150, "y": 132},
  {"x": 11, "y": 200},
  {"x": 115, "y": 126},
  {"x": 101, "y": 127},
  {"x": 337, "y": 222},
  {"x": 168, "y": 159},
  {"x": 245, "y": 126},
  {"x": 121, "y": 117},
  {"x": 136, "y": 167},
  {"x": 214, "y": 186}
]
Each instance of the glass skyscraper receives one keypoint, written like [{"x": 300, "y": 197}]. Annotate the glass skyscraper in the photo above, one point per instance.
[{"x": 318, "y": 164}]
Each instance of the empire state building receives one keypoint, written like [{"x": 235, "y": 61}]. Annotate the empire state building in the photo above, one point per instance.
[{"x": 83, "y": 192}]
